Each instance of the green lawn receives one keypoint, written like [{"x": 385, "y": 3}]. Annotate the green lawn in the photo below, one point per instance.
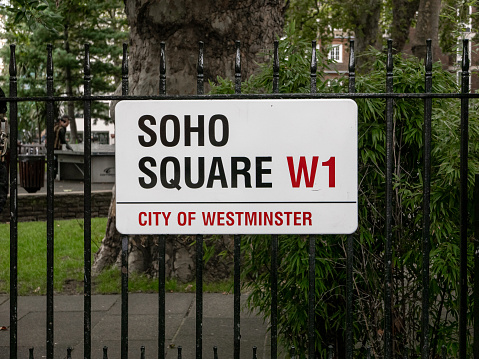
[{"x": 68, "y": 262}]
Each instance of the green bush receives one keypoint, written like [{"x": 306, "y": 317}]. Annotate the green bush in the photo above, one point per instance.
[{"x": 369, "y": 240}]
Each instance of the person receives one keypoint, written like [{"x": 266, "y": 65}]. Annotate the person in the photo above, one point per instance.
[{"x": 60, "y": 130}]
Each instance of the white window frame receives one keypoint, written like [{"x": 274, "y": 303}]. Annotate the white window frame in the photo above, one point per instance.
[{"x": 336, "y": 53}]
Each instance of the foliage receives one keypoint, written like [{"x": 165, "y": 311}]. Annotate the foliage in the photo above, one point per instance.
[
  {"x": 294, "y": 69},
  {"x": 102, "y": 24},
  {"x": 317, "y": 19},
  {"x": 369, "y": 240}
]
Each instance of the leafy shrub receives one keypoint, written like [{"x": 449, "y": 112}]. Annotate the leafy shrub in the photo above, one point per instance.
[{"x": 369, "y": 239}]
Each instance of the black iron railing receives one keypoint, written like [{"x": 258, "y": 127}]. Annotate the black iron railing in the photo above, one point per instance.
[{"x": 389, "y": 97}]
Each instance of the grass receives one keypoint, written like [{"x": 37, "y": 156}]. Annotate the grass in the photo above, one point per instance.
[{"x": 68, "y": 262}]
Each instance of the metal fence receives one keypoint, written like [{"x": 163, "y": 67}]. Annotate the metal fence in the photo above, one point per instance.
[{"x": 388, "y": 96}]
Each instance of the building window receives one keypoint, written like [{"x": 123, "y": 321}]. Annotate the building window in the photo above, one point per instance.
[{"x": 336, "y": 53}]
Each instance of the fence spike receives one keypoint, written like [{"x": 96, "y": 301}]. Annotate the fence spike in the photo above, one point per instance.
[
  {"x": 314, "y": 67},
  {"x": 105, "y": 352},
  {"x": 352, "y": 67},
  {"x": 215, "y": 352},
  {"x": 142, "y": 352},
  {"x": 238, "y": 68},
  {"x": 330, "y": 352},
  {"x": 255, "y": 355},
  {"x": 124, "y": 70},
  {"x": 293, "y": 352},
  {"x": 179, "y": 352},
  {"x": 200, "y": 69},
  {"x": 162, "y": 69},
  {"x": 30, "y": 355},
  {"x": 368, "y": 352},
  {"x": 276, "y": 67},
  {"x": 69, "y": 353}
]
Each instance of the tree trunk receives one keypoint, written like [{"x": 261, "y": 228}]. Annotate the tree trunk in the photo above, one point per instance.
[
  {"x": 404, "y": 12},
  {"x": 427, "y": 27},
  {"x": 69, "y": 90},
  {"x": 182, "y": 24},
  {"x": 365, "y": 18}
]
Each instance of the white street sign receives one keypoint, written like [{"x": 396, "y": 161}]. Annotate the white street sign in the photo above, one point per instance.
[{"x": 236, "y": 166}]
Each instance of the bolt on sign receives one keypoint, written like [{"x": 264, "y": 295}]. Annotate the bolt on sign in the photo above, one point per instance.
[{"x": 236, "y": 166}]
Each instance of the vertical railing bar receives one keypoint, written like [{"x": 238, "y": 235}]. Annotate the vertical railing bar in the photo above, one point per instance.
[
  {"x": 274, "y": 296},
  {"x": 274, "y": 237},
  {"x": 162, "y": 241},
  {"x": 237, "y": 296},
  {"x": 312, "y": 239},
  {"x": 349, "y": 243},
  {"x": 13, "y": 206},
  {"x": 389, "y": 192},
  {"x": 426, "y": 247},
  {"x": 237, "y": 239},
  {"x": 124, "y": 239},
  {"x": 124, "y": 297},
  {"x": 162, "y": 69},
  {"x": 30, "y": 353},
  {"x": 312, "y": 297},
  {"x": 105, "y": 352},
  {"x": 276, "y": 67},
  {"x": 476, "y": 267},
  {"x": 463, "y": 202},
  {"x": 199, "y": 238},
  {"x": 161, "y": 296},
  {"x": 200, "y": 87},
  {"x": 199, "y": 296},
  {"x": 87, "y": 207},
  {"x": 50, "y": 209}
]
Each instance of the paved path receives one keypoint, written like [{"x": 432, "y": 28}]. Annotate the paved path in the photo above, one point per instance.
[
  {"x": 68, "y": 186},
  {"x": 143, "y": 324}
]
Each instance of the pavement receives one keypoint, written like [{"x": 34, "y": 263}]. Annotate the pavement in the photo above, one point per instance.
[{"x": 142, "y": 322}]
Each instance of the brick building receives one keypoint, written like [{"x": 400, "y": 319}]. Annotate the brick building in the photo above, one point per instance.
[{"x": 339, "y": 52}]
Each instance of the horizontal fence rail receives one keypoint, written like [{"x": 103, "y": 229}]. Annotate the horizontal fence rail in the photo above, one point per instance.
[{"x": 313, "y": 241}]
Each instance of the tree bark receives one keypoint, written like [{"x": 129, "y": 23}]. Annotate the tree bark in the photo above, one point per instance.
[
  {"x": 365, "y": 19},
  {"x": 404, "y": 12},
  {"x": 427, "y": 27},
  {"x": 182, "y": 24}
]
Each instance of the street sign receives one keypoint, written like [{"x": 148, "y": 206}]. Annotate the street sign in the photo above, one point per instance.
[{"x": 236, "y": 166}]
